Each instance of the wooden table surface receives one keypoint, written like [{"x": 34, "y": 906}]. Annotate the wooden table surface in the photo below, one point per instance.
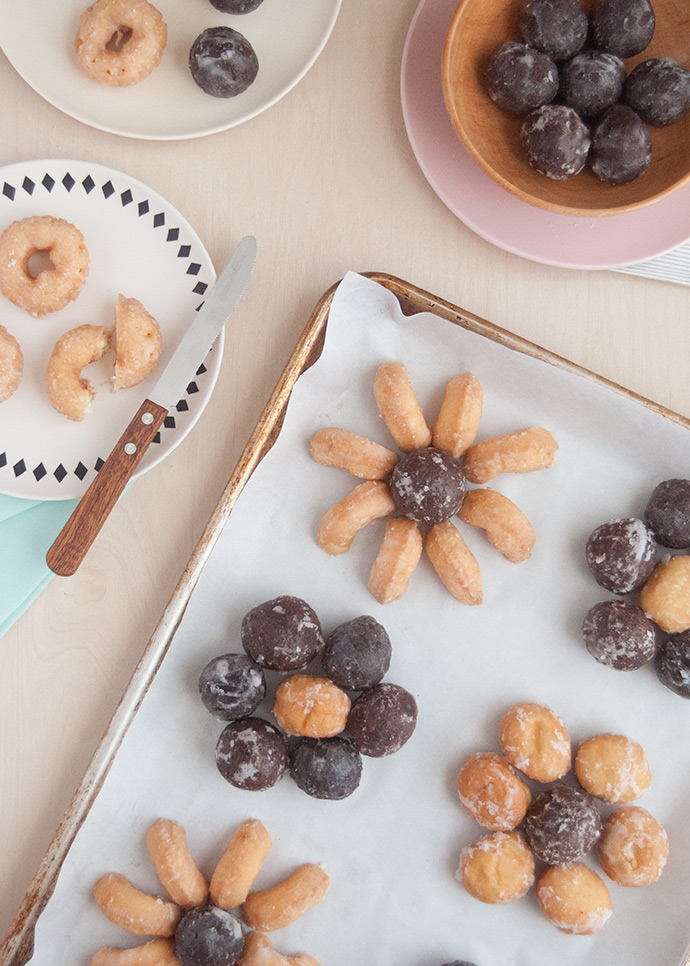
[{"x": 326, "y": 181}]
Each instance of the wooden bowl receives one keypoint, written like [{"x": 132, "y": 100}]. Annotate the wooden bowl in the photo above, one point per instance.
[{"x": 492, "y": 136}]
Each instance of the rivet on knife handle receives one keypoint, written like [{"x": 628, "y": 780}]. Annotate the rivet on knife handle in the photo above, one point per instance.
[{"x": 77, "y": 535}]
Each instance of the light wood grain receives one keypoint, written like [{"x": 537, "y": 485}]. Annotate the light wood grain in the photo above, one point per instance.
[{"x": 342, "y": 192}]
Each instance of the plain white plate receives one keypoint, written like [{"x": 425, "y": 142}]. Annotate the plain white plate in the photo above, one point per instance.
[
  {"x": 138, "y": 245},
  {"x": 168, "y": 105}
]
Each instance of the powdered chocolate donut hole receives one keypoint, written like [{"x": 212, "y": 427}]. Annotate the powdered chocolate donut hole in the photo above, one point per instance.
[
  {"x": 620, "y": 554},
  {"x": 619, "y": 634},
  {"x": 251, "y": 754},
  {"x": 562, "y": 824},
  {"x": 382, "y": 719},
  {"x": 428, "y": 485},
  {"x": 519, "y": 78},
  {"x": 556, "y": 27},
  {"x": 623, "y": 27},
  {"x": 668, "y": 513},
  {"x": 232, "y": 686},
  {"x": 236, "y": 6},
  {"x": 208, "y": 936},
  {"x": 592, "y": 82},
  {"x": 556, "y": 141},
  {"x": 672, "y": 663},
  {"x": 329, "y": 768},
  {"x": 621, "y": 146},
  {"x": 357, "y": 654},
  {"x": 283, "y": 634},
  {"x": 659, "y": 90}
]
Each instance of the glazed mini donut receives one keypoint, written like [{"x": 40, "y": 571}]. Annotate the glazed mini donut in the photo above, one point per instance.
[
  {"x": 52, "y": 288},
  {"x": 67, "y": 391},
  {"x": 137, "y": 343},
  {"x": 11, "y": 364},
  {"x": 119, "y": 42}
]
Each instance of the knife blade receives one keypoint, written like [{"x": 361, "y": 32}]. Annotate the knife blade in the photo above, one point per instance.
[{"x": 72, "y": 543}]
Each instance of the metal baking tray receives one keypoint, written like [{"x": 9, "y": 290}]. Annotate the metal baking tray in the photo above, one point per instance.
[{"x": 17, "y": 946}]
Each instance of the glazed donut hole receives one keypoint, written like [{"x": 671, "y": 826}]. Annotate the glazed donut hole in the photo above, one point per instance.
[
  {"x": 633, "y": 847},
  {"x": 574, "y": 899},
  {"x": 497, "y": 868},
  {"x": 310, "y": 706},
  {"x": 613, "y": 768},
  {"x": 492, "y": 793},
  {"x": 535, "y": 741}
]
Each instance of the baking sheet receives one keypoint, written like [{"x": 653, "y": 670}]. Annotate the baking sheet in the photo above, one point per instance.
[{"x": 392, "y": 848}]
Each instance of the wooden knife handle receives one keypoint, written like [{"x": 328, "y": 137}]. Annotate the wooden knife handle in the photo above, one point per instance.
[{"x": 77, "y": 535}]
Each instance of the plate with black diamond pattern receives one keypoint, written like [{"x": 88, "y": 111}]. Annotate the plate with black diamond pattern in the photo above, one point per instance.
[
  {"x": 287, "y": 35},
  {"x": 139, "y": 246}
]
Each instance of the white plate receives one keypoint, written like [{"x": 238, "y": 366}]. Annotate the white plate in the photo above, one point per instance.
[
  {"x": 139, "y": 245},
  {"x": 168, "y": 104}
]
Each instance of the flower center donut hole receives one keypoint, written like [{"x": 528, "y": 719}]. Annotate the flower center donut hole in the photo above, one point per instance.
[{"x": 428, "y": 486}]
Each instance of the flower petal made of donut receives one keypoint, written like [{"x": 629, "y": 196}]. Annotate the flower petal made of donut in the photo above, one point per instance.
[
  {"x": 133, "y": 910},
  {"x": 341, "y": 524},
  {"x": 360, "y": 456},
  {"x": 156, "y": 952},
  {"x": 523, "y": 451},
  {"x": 506, "y": 526},
  {"x": 397, "y": 558},
  {"x": 453, "y": 561},
  {"x": 399, "y": 407},
  {"x": 258, "y": 951},
  {"x": 172, "y": 860},
  {"x": 458, "y": 420}
]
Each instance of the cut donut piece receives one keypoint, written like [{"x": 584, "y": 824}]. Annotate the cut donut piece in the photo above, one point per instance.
[
  {"x": 137, "y": 343},
  {"x": 67, "y": 391}
]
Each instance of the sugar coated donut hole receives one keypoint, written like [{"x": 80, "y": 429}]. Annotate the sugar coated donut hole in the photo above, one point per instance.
[
  {"x": 357, "y": 654},
  {"x": 620, "y": 554},
  {"x": 633, "y": 847},
  {"x": 613, "y": 768},
  {"x": 497, "y": 868},
  {"x": 310, "y": 706},
  {"x": 665, "y": 598},
  {"x": 11, "y": 364},
  {"x": 619, "y": 634},
  {"x": 672, "y": 663},
  {"x": 382, "y": 720},
  {"x": 120, "y": 42},
  {"x": 574, "y": 899},
  {"x": 492, "y": 793},
  {"x": 556, "y": 141},
  {"x": 53, "y": 287},
  {"x": 622, "y": 27},
  {"x": 556, "y": 27},
  {"x": 251, "y": 754},
  {"x": 535, "y": 741},
  {"x": 283, "y": 634},
  {"x": 208, "y": 936},
  {"x": 232, "y": 686},
  {"x": 668, "y": 513},
  {"x": 562, "y": 824}
]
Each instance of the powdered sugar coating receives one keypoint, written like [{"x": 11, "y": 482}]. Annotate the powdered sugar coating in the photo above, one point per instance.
[
  {"x": 556, "y": 141},
  {"x": 633, "y": 847},
  {"x": 491, "y": 792},
  {"x": 613, "y": 768},
  {"x": 282, "y": 634},
  {"x": 619, "y": 634},
  {"x": 497, "y": 868},
  {"x": 535, "y": 741},
  {"x": 668, "y": 513},
  {"x": 562, "y": 824},
  {"x": 428, "y": 485},
  {"x": 620, "y": 554},
  {"x": 251, "y": 754},
  {"x": 519, "y": 78},
  {"x": 574, "y": 899},
  {"x": 556, "y": 27}
]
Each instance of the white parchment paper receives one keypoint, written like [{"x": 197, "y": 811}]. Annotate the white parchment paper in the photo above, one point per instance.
[{"x": 392, "y": 848}]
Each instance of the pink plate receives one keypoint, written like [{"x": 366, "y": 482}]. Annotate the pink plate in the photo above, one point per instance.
[{"x": 492, "y": 212}]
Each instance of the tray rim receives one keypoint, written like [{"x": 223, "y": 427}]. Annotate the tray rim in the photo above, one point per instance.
[{"x": 16, "y": 947}]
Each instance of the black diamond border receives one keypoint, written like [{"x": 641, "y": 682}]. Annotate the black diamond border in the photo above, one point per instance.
[{"x": 53, "y": 181}]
